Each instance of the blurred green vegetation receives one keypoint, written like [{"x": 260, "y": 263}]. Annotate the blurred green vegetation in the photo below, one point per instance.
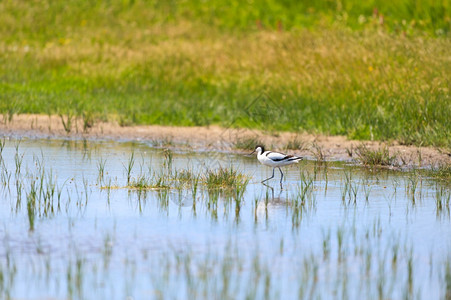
[
  {"x": 373, "y": 70},
  {"x": 45, "y": 19}
]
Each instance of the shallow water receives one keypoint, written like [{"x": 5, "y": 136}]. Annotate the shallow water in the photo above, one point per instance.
[{"x": 353, "y": 233}]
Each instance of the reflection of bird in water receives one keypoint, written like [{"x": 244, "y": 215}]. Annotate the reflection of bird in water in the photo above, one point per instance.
[
  {"x": 272, "y": 198},
  {"x": 268, "y": 202},
  {"x": 275, "y": 160}
]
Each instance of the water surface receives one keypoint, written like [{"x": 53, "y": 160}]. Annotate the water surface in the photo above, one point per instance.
[{"x": 334, "y": 230}]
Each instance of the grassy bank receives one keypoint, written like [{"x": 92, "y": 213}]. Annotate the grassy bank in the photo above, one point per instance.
[{"x": 332, "y": 68}]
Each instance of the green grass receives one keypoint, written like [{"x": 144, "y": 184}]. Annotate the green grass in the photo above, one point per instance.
[
  {"x": 144, "y": 182},
  {"x": 222, "y": 179},
  {"x": 227, "y": 178},
  {"x": 378, "y": 157},
  {"x": 339, "y": 68},
  {"x": 441, "y": 171}
]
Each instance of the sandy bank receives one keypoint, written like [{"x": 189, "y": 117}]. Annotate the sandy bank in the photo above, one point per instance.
[{"x": 216, "y": 138}]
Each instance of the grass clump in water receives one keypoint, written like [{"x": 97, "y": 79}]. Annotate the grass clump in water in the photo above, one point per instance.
[
  {"x": 144, "y": 182},
  {"x": 226, "y": 178},
  {"x": 141, "y": 182},
  {"x": 318, "y": 152},
  {"x": 222, "y": 179},
  {"x": 442, "y": 171},
  {"x": 378, "y": 157},
  {"x": 185, "y": 177}
]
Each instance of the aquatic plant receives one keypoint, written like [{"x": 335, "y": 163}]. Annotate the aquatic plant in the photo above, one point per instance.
[
  {"x": 185, "y": 177},
  {"x": 226, "y": 178},
  {"x": 349, "y": 189},
  {"x": 413, "y": 180},
  {"x": 143, "y": 181},
  {"x": 317, "y": 152},
  {"x": 442, "y": 199},
  {"x": 128, "y": 168},
  {"x": 441, "y": 171},
  {"x": 31, "y": 204},
  {"x": 168, "y": 157},
  {"x": 101, "y": 169},
  {"x": 372, "y": 158}
]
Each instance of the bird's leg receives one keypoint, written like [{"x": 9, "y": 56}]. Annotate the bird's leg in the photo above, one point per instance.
[
  {"x": 281, "y": 178},
  {"x": 271, "y": 176}
]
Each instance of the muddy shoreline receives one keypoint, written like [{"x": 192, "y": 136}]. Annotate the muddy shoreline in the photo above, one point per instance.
[{"x": 216, "y": 138}]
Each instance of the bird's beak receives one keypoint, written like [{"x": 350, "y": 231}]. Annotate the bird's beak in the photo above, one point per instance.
[{"x": 250, "y": 153}]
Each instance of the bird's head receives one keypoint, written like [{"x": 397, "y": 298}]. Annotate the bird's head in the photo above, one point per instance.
[{"x": 258, "y": 148}]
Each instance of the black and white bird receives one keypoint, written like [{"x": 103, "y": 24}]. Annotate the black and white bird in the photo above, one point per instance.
[{"x": 275, "y": 160}]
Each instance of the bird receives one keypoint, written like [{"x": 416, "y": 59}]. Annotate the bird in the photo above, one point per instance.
[{"x": 275, "y": 160}]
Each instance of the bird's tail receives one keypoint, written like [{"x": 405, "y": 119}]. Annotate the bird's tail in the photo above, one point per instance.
[{"x": 296, "y": 159}]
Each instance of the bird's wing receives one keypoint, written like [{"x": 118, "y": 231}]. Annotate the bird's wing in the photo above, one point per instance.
[{"x": 276, "y": 156}]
